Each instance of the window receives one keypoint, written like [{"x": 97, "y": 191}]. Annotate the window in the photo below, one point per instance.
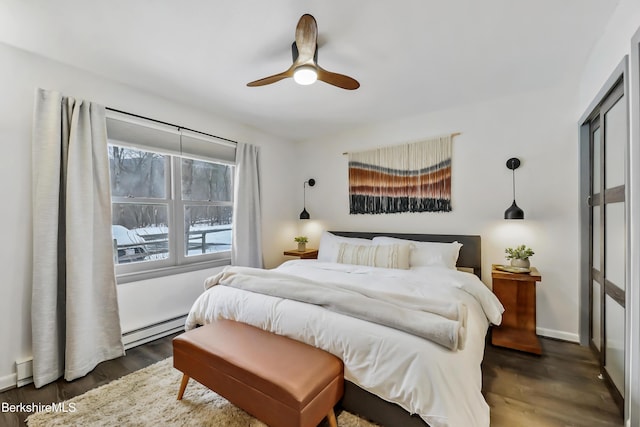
[{"x": 171, "y": 198}]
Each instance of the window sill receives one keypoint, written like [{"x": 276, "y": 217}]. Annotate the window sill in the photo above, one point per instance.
[{"x": 170, "y": 271}]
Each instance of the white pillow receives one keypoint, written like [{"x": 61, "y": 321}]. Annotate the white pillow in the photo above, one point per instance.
[
  {"x": 330, "y": 244},
  {"x": 385, "y": 256},
  {"x": 427, "y": 254}
]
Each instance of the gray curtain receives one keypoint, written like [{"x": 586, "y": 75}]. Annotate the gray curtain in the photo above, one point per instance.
[
  {"x": 246, "y": 248},
  {"x": 74, "y": 314}
]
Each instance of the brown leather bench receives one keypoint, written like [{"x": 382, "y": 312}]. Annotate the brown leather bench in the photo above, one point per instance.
[{"x": 280, "y": 381}]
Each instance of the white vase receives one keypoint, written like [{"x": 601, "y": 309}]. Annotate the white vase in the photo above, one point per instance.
[
  {"x": 524, "y": 263},
  {"x": 302, "y": 247}
]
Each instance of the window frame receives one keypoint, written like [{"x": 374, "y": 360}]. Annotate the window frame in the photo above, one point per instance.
[
  {"x": 178, "y": 261},
  {"x": 179, "y": 209}
]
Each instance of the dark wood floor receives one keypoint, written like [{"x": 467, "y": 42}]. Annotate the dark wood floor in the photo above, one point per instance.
[{"x": 559, "y": 388}]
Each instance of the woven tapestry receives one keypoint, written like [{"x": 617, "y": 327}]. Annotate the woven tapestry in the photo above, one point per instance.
[{"x": 412, "y": 177}]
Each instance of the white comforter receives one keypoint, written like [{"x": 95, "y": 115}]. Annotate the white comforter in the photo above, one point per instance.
[{"x": 440, "y": 385}]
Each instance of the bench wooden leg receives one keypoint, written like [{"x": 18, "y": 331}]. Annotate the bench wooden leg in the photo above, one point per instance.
[
  {"x": 183, "y": 385},
  {"x": 331, "y": 416}
]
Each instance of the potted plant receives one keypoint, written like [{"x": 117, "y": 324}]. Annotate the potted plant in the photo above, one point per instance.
[
  {"x": 302, "y": 243},
  {"x": 519, "y": 256}
]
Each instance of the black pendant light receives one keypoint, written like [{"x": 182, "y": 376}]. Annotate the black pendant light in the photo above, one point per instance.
[
  {"x": 514, "y": 212},
  {"x": 304, "y": 214}
]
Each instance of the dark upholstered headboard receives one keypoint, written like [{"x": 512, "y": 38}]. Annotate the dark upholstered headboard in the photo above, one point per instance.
[{"x": 470, "y": 253}]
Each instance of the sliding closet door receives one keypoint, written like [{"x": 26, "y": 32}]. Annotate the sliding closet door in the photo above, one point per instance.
[{"x": 608, "y": 131}]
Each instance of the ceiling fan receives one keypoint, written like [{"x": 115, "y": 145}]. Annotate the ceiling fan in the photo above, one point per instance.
[{"x": 305, "y": 69}]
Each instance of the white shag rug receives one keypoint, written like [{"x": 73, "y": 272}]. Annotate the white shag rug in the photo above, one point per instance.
[{"x": 148, "y": 398}]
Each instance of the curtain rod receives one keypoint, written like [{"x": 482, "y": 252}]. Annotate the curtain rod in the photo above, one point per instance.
[
  {"x": 452, "y": 135},
  {"x": 171, "y": 124}
]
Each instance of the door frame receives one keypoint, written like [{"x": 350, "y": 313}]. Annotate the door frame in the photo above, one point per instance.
[
  {"x": 620, "y": 72},
  {"x": 632, "y": 410}
]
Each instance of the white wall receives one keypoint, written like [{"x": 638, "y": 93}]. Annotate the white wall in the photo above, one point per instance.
[
  {"x": 611, "y": 48},
  {"x": 141, "y": 303},
  {"x": 539, "y": 128}
]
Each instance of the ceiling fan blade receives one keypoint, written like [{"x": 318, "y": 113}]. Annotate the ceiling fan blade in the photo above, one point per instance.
[
  {"x": 272, "y": 79},
  {"x": 306, "y": 39},
  {"x": 339, "y": 80},
  {"x": 305, "y": 51}
]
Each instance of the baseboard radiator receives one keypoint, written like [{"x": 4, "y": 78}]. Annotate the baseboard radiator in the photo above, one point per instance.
[
  {"x": 24, "y": 372},
  {"x": 152, "y": 332},
  {"x": 134, "y": 338}
]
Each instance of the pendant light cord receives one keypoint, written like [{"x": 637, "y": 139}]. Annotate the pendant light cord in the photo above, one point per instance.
[
  {"x": 513, "y": 174},
  {"x": 304, "y": 195}
]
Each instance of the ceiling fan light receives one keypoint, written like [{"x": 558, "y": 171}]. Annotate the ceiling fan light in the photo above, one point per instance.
[{"x": 305, "y": 75}]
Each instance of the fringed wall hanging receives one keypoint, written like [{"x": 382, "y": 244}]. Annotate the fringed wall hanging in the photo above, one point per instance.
[{"x": 413, "y": 177}]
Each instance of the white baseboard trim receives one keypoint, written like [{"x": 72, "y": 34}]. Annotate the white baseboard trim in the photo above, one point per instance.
[
  {"x": 559, "y": 335},
  {"x": 153, "y": 332},
  {"x": 7, "y": 382},
  {"x": 23, "y": 375}
]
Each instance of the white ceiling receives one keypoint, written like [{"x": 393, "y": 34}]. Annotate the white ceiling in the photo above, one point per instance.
[{"x": 410, "y": 56}]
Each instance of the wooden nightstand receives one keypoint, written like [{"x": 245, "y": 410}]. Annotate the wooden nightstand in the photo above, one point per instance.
[
  {"x": 517, "y": 293},
  {"x": 306, "y": 254}
]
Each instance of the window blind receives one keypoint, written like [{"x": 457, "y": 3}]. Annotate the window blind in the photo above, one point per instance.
[{"x": 167, "y": 139}]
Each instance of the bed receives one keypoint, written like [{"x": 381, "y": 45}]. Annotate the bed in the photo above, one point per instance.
[{"x": 393, "y": 377}]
